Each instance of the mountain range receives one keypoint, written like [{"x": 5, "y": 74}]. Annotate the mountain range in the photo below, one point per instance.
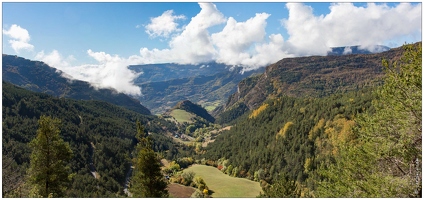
[
  {"x": 39, "y": 77},
  {"x": 162, "y": 85}
]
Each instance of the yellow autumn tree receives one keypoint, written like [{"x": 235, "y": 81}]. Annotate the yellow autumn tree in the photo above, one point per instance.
[{"x": 283, "y": 131}]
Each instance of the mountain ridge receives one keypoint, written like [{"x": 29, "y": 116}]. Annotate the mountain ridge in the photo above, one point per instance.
[
  {"x": 314, "y": 76},
  {"x": 39, "y": 77}
]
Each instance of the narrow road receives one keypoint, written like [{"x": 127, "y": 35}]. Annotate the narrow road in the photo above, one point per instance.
[
  {"x": 127, "y": 181},
  {"x": 91, "y": 164}
]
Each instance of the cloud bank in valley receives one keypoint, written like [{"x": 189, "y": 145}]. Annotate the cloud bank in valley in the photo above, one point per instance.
[
  {"x": 110, "y": 72},
  {"x": 241, "y": 43}
]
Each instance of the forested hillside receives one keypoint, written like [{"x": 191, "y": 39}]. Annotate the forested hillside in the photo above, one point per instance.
[
  {"x": 314, "y": 76},
  {"x": 101, "y": 136},
  {"x": 353, "y": 143},
  {"x": 285, "y": 133},
  {"x": 39, "y": 77}
]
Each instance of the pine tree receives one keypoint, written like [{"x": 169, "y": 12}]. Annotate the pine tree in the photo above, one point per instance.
[
  {"x": 148, "y": 180},
  {"x": 49, "y": 175},
  {"x": 385, "y": 160},
  {"x": 283, "y": 187}
]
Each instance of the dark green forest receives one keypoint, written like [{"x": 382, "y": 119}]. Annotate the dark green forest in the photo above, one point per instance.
[
  {"x": 98, "y": 132},
  {"x": 265, "y": 143}
]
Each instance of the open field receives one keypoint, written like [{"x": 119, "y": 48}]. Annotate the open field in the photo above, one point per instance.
[
  {"x": 180, "y": 191},
  {"x": 225, "y": 186},
  {"x": 181, "y": 115}
]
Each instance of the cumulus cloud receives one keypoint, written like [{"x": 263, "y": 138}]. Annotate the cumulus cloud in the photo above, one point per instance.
[
  {"x": 110, "y": 72},
  {"x": 20, "y": 39},
  {"x": 163, "y": 25},
  {"x": 239, "y": 43},
  {"x": 236, "y": 38},
  {"x": 194, "y": 44},
  {"x": 348, "y": 25},
  {"x": 245, "y": 43}
]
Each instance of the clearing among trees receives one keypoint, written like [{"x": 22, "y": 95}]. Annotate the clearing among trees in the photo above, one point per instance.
[{"x": 224, "y": 186}]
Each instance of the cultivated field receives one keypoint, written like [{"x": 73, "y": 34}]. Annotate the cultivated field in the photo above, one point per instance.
[{"x": 225, "y": 186}]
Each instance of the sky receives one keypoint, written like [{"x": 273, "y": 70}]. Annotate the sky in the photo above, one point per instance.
[{"x": 96, "y": 42}]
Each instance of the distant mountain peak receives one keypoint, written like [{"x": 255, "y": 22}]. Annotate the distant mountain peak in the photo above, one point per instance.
[{"x": 358, "y": 49}]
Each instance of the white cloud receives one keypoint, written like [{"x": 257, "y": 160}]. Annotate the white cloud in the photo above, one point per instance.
[
  {"x": 234, "y": 41},
  {"x": 267, "y": 53},
  {"x": 194, "y": 44},
  {"x": 20, "y": 38},
  {"x": 245, "y": 44},
  {"x": 54, "y": 59},
  {"x": 110, "y": 72},
  {"x": 347, "y": 50},
  {"x": 163, "y": 25},
  {"x": 348, "y": 25}
]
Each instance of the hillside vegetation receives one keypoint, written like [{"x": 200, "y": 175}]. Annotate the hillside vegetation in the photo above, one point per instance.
[
  {"x": 334, "y": 126},
  {"x": 314, "y": 76},
  {"x": 101, "y": 136},
  {"x": 352, "y": 143},
  {"x": 252, "y": 143}
]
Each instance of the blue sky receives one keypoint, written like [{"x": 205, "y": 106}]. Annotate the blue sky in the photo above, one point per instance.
[{"x": 96, "y": 42}]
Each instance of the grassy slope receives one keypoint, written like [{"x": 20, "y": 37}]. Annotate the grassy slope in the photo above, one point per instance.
[
  {"x": 181, "y": 115},
  {"x": 225, "y": 186}
]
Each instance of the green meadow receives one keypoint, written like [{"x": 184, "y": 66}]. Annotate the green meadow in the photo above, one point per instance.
[{"x": 224, "y": 186}]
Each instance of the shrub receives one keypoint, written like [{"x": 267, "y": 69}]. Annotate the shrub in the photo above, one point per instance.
[
  {"x": 187, "y": 178},
  {"x": 199, "y": 183},
  {"x": 205, "y": 192}
]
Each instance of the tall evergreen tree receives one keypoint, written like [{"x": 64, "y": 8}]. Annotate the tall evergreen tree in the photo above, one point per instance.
[
  {"x": 49, "y": 174},
  {"x": 148, "y": 180}
]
